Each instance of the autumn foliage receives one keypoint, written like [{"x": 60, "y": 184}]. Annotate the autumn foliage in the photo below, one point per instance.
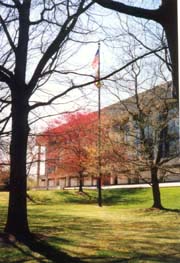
[
  {"x": 72, "y": 147},
  {"x": 69, "y": 140}
]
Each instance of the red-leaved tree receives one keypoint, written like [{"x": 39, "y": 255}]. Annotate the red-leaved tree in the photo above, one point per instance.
[{"x": 70, "y": 142}]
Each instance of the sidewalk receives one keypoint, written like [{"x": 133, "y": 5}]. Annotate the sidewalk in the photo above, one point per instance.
[
  {"x": 126, "y": 186},
  {"x": 173, "y": 184}
]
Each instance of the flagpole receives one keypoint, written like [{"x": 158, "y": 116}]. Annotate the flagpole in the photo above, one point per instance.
[{"x": 99, "y": 135}]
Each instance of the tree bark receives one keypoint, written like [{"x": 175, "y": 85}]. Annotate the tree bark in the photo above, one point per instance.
[
  {"x": 17, "y": 223},
  {"x": 155, "y": 189},
  {"x": 168, "y": 20}
]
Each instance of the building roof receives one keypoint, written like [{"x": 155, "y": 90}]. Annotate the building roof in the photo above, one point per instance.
[{"x": 145, "y": 98}]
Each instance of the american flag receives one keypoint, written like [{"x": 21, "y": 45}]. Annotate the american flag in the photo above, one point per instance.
[
  {"x": 95, "y": 63},
  {"x": 96, "y": 66}
]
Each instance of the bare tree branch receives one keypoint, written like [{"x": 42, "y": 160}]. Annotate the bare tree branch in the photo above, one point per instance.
[
  {"x": 7, "y": 34},
  {"x": 52, "y": 49},
  {"x": 7, "y": 5},
  {"x": 92, "y": 82},
  {"x": 129, "y": 10}
]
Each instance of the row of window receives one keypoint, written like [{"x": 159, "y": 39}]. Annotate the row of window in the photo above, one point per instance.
[{"x": 167, "y": 138}]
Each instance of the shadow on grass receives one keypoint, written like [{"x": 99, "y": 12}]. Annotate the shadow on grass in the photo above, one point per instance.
[
  {"x": 40, "y": 246},
  {"x": 136, "y": 258},
  {"x": 49, "y": 252},
  {"x": 163, "y": 209},
  {"x": 124, "y": 196},
  {"x": 110, "y": 196},
  {"x": 172, "y": 210}
]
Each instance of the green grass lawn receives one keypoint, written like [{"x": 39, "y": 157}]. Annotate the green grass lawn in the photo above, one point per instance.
[{"x": 72, "y": 228}]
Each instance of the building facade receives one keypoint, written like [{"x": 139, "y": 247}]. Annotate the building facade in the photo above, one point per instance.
[{"x": 140, "y": 131}]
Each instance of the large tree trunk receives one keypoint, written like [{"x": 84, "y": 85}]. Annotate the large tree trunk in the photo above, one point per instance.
[
  {"x": 155, "y": 189},
  {"x": 17, "y": 223},
  {"x": 168, "y": 20},
  {"x": 172, "y": 39}
]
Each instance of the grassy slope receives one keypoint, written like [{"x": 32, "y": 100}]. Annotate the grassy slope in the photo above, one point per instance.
[{"x": 123, "y": 230}]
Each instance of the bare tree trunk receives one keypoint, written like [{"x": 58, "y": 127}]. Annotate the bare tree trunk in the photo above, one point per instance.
[
  {"x": 155, "y": 189},
  {"x": 17, "y": 223},
  {"x": 99, "y": 182},
  {"x": 38, "y": 165},
  {"x": 80, "y": 182}
]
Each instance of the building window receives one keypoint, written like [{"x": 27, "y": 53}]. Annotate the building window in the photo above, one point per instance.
[
  {"x": 51, "y": 169},
  {"x": 126, "y": 133},
  {"x": 148, "y": 132},
  {"x": 116, "y": 127},
  {"x": 173, "y": 136},
  {"x": 164, "y": 143}
]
